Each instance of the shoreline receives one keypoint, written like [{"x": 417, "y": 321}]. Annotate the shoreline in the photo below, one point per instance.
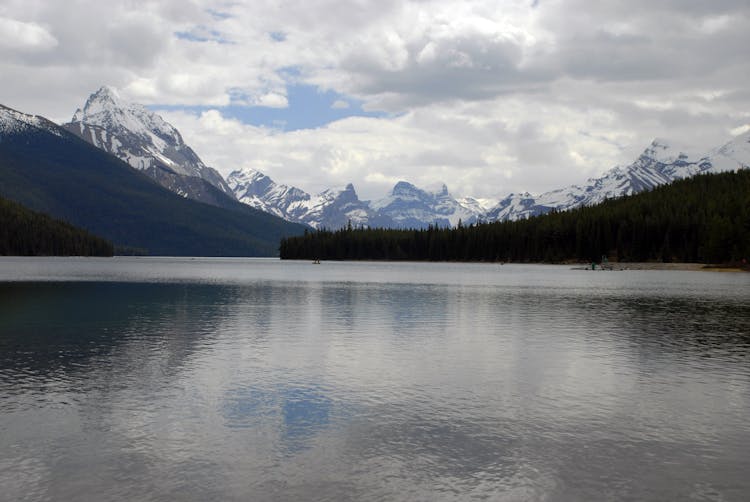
[{"x": 699, "y": 267}]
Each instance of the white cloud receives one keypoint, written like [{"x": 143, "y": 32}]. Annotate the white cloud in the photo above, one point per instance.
[
  {"x": 488, "y": 96},
  {"x": 340, "y": 104},
  {"x": 22, "y": 36},
  {"x": 475, "y": 155},
  {"x": 272, "y": 100}
]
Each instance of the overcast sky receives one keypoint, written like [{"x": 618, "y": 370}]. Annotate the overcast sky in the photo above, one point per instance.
[{"x": 490, "y": 97}]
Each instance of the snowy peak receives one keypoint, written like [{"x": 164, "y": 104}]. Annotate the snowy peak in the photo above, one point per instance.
[
  {"x": 107, "y": 110},
  {"x": 733, "y": 155},
  {"x": 405, "y": 189},
  {"x": 147, "y": 142},
  {"x": 406, "y": 206},
  {"x": 106, "y": 99},
  {"x": 659, "y": 164},
  {"x": 257, "y": 190},
  {"x": 102, "y": 101},
  {"x": 412, "y": 207},
  {"x": 663, "y": 151},
  {"x": 409, "y": 206},
  {"x": 332, "y": 208},
  {"x": 336, "y": 208},
  {"x": 249, "y": 182}
]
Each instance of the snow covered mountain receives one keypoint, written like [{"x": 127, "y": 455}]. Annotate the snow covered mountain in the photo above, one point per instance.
[
  {"x": 48, "y": 169},
  {"x": 405, "y": 207},
  {"x": 332, "y": 208},
  {"x": 148, "y": 143},
  {"x": 659, "y": 164},
  {"x": 412, "y": 207},
  {"x": 408, "y": 206},
  {"x": 259, "y": 191}
]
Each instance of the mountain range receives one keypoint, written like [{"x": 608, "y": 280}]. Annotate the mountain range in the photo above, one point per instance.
[
  {"x": 145, "y": 141},
  {"x": 152, "y": 147},
  {"x": 48, "y": 169},
  {"x": 408, "y": 206}
]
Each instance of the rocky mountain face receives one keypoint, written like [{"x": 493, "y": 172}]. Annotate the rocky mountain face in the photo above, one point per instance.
[
  {"x": 332, "y": 208},
  {"x": 148, "y": 143},
  {"x": 411, "y": 207},
  {"x": 405, "y": 207}
]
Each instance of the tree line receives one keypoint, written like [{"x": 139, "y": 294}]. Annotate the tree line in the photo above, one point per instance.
[
  {"x": 704, "y": 219},
  {"x": 27, "y": 233}
]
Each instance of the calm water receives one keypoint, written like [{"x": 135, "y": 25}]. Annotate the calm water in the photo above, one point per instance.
[{"x": 178, "y": 379}]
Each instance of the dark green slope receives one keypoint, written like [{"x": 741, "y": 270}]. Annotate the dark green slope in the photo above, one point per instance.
[
  {"x": 27, "y": 233},
  {"x": 70, "y": 179},
  {"x": 701, "y": 219}
]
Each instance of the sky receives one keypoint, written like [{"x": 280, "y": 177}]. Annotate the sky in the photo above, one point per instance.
[{"x": 490, "y": 97}]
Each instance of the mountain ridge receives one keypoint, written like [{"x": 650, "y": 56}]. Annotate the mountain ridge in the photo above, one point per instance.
[
  {"x": 148, "y": 143},
  {"x": 51, "y": 170},
  {"x": 408, "y": 206}
]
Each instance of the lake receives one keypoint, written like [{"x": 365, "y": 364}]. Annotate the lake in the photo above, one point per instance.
[{"x": 259, "y": 379}]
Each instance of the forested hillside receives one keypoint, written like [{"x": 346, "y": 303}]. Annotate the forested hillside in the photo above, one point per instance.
[
  {"x": 27, "y": 233},
  {"x": 701, "y": 219}
]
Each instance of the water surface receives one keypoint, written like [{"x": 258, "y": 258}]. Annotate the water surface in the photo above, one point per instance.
[{"x": 236, "y": 379}]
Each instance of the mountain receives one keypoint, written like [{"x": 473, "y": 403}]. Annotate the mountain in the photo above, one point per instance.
[
  {"x": 699, "y": 219},
  {"x": 405, "y": 207},
  {"x": 408, "y": 206},
  {"x": 659, "y": 164},
  {"x": 48, "y": 169},
  {"x": 332, "y": 208},
  {"x": 148, "y": 143},
  {"x": 257, "y": 190},
  {"x": 411, "y": 207}
]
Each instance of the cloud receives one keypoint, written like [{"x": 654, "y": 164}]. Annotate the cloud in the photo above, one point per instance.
[
  {"x": 487, "y": 96},
  {"x": 340, "y": 104},
  {"x": 272, "y": 100},
  {"x": 474, "y": 155},
  {"x": 24, "y": 37}
]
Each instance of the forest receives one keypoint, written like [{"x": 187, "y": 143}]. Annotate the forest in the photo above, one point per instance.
[
  {"x": 27, "y": 233},
  {"x": 704, "y": 219}
]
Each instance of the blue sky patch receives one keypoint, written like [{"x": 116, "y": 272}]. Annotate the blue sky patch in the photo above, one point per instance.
[
  {"x": 202, "y": 34},
  {"x": 277, "y": 36},
  {"x": 218, "y": 14},
  {"x": 309, "y": 108}
]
